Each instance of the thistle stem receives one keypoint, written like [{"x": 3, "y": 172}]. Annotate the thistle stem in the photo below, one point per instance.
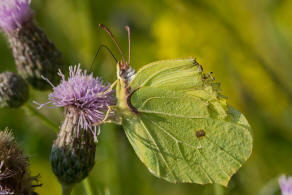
[
  {"x": 43, "y": 118},
  {"x": 87, "y": 186},
  {"x": 66, "y": 190}
]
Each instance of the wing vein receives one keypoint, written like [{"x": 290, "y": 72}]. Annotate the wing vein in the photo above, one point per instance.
[
  {"x": 204, "y": 171},
  {"x": 149, "y": 134},
  {"x": 207, "y": 161},
  {"x": 181, "y": 142},
  {"x": 130, "y": 137},
  {"x": 158, "y": 72},
  {"x": 221, "y": 148},
  {"x": 173, "y": 137},
  {"x": 172, "y": 115},
  {"x": 153, "y": 98}
]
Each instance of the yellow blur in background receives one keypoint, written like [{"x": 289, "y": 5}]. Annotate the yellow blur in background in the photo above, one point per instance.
[{"x": 247, "y": 44}]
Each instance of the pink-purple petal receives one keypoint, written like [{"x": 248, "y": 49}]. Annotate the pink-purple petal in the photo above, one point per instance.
[
  {"x": 14, "y": 14},
  {"x": 88, "y": 95},
  {"x": 285, "y": 185}
]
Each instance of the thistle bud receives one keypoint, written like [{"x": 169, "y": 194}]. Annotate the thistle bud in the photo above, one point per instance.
[
  {"x": 73, "y": 152},
  {"x": 13, "y": 90},
  {"x": 15, "y": 177},
  {"x": 35, "y": 55}
]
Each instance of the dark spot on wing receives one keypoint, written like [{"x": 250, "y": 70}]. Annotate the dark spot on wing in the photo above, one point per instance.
[{"x": 200, "y": 133}]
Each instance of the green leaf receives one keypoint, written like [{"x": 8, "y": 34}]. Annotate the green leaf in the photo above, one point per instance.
[{"x": 182, "y": 129}]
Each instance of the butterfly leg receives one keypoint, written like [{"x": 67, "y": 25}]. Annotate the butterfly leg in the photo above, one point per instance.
[
  {"x": 107, "y": 118},
  {"x": 107, "y": 114},
  {"x": 111, "y": 87}
]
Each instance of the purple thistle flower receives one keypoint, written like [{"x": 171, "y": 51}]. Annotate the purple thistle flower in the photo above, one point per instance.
[
  {"x": 33, "y": 52},
  {"x": 285, "y": 185},
  {"x": 14, "y": 14},
  {"x": 89, "y": 97}
]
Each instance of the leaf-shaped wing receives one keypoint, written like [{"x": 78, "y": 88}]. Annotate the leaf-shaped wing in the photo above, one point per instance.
[
  {"x": 180, "y": 137},
  {"x": 179, "y": 74},
  {"x": 182, "y": 128}
]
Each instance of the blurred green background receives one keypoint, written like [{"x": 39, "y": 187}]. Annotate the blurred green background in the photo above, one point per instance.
[{"x": 247, "y": 44}]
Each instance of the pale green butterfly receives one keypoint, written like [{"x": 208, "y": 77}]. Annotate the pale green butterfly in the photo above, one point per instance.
[{"x": 178, "y": 123}]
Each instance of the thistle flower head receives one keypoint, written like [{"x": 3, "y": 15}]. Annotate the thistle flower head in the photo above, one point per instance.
[
  {"x": 285, "y": 185},
  {"x": 33, "y": 52},
  {"x": 14, "y": 14},
  {"x": 88, "y": 96},
  {"x": 15, "y": 177}
]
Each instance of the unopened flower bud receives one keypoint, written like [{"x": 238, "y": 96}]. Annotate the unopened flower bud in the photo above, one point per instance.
[
  {"x": 73, "y": 152},
  {"x": 35, "y": 55},
  {"x": 13, "y": 90},
  {"x": 15, "y": 177}
]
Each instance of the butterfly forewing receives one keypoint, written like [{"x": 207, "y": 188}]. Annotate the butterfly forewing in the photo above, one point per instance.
[
  {"x": 183, "y": 130},
  {"x": 179, "y": 74}
]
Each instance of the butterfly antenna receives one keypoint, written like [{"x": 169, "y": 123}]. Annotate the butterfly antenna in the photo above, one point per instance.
[
  {"x": 129, "y": 39},
  {"x": 97, "y": 52},
  {"x": 113, "y": 38}
]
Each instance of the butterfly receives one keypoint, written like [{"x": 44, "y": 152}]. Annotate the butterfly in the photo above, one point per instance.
[{"x": 178, "y": 122}]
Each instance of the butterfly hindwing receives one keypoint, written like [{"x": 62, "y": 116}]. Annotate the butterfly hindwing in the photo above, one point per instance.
[{"x": 183, "y": 130}]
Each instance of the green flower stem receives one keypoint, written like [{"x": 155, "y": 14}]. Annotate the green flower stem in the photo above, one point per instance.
[
  {"x": 66, "y": 190},
  {"x": 87, "y": 186},
  {"x": 43, "y": 118},
  {"x": 218, "y": 189}
]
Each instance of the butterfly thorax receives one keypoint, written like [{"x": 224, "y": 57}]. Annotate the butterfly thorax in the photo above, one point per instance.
[
  {"x": 125, "y": 72},
  {"x": 125, "y": 75}
]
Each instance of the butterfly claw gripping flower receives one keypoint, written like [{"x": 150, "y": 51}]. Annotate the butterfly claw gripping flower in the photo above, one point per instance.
[
  {"x": 35, "y": 55},
  {"x": 13, "y": 90},
  {"x": 14, "y": 175}
]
